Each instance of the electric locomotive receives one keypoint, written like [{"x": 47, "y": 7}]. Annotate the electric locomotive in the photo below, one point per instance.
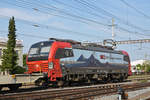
[{"x": 67, "y": 61}]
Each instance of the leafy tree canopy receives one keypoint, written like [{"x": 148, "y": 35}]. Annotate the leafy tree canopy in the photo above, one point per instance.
[{"x": 9, "y": 57}]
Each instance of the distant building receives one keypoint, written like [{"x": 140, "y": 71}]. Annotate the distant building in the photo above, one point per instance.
[
  {"x": 18, "y": 49},
  {"x": 136, "y": 62}
]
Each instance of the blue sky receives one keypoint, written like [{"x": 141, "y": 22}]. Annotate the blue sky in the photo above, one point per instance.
[{"x": 82, "y": 20}]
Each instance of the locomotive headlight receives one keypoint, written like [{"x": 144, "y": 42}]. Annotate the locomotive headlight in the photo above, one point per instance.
[
  {"x": 50, "y": 65},
  {"x": 37, "y": 65}
]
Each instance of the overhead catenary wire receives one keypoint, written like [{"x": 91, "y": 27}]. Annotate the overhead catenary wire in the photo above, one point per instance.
[
  {"x": 54, "y": 28},
  {"x": 27, "y": 35},
  {"x": 85, "y": 21},
  {"x": 79, "y": 9},
  {"x": 36, "y": 9},
  {"x": 51, "y": 7},
  {"x": 105, "y": 12},
  {"x": 133, "y": 32},
  {"x": 93, "y": 35},
  {"x": 136, "y": 9},
  {"x": 57, "y": 9}
]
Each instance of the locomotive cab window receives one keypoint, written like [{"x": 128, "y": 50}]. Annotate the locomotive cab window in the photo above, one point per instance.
[
  {"x": 39, "y": 51},
  {"x": 126, "y": 58},
  {"x": 63, "y": 53}
]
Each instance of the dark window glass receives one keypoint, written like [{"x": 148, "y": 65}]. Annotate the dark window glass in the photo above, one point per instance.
[
  {"x": 17, "y": 52},
  {"x": 126, "y": 58},
  {"x": 39, "y": 51},
  {"x": 63, "y": 53}
]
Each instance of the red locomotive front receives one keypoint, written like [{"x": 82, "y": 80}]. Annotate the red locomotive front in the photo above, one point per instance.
[{"x": 42, "y": 58}]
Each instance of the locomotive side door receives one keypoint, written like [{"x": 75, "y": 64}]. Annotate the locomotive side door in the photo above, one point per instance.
[{"x": 60, "y": 50}]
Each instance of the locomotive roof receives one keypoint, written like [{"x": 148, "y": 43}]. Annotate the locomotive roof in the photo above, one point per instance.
[
  {"x": 42, "y": 43},
  {"x": 88, "y": 46},
  {"x": 65, "y": 40},
  {"x": 96, "y": 48}
]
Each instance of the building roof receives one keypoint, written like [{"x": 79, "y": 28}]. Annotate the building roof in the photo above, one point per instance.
[{"x": 3, "y": 41}]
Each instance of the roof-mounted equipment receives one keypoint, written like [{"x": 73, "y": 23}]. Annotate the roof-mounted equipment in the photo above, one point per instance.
[
  {"x": 111, "y": 42},
  {"x": 96, "y": 45},
  {"x": 65, "y": 40}
]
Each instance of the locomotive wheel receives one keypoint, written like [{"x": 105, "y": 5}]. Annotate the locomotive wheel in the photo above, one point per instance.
[
  {"x": 37, "y": 82},
  {"x": 41, "y": 83},
  {"x": 121, "y": 79},
  {"x": 104, "y": 80},
  {"x": 1, "y": 88},
  {"x": 13, "y": 87},
  {"x": 60, "y": 83},
  {"x": 89, "y": 81}
]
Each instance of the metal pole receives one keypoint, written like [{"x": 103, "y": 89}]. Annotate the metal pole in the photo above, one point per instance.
[{"x": 113, "y": 34}]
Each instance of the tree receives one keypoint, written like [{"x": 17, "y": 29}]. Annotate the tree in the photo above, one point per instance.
[
  {"x": 9, "y": 57},
  {"x": 147, "y": 66},
  {"x": 24, "y": 59},
  {"x": 138, "y": 66}
]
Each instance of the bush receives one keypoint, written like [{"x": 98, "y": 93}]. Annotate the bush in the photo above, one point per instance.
[
  {"x": 148, "y": 68},
  {"x": 19, "y": 70}
]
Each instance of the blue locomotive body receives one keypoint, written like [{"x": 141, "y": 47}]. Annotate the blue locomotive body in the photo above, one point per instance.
[{"x": 96, "y": 63}]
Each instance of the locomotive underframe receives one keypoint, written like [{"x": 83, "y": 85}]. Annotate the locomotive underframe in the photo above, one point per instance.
[{"x": 87, "y": 75}]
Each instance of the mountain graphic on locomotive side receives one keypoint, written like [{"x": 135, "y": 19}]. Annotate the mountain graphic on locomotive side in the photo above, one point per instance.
[{"x": 68, "y": 61}]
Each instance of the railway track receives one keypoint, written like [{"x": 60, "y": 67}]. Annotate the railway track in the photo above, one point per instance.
[{"x": 73, "y": 93}]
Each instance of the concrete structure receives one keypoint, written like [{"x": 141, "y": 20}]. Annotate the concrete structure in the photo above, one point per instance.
[{"x": 19, "y": 50}]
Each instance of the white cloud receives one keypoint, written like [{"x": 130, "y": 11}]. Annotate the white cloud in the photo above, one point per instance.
[{"x": 24, "y": 15}]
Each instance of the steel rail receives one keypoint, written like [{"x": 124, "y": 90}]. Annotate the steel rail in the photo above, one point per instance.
[{"x": 76, "y": 93}]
